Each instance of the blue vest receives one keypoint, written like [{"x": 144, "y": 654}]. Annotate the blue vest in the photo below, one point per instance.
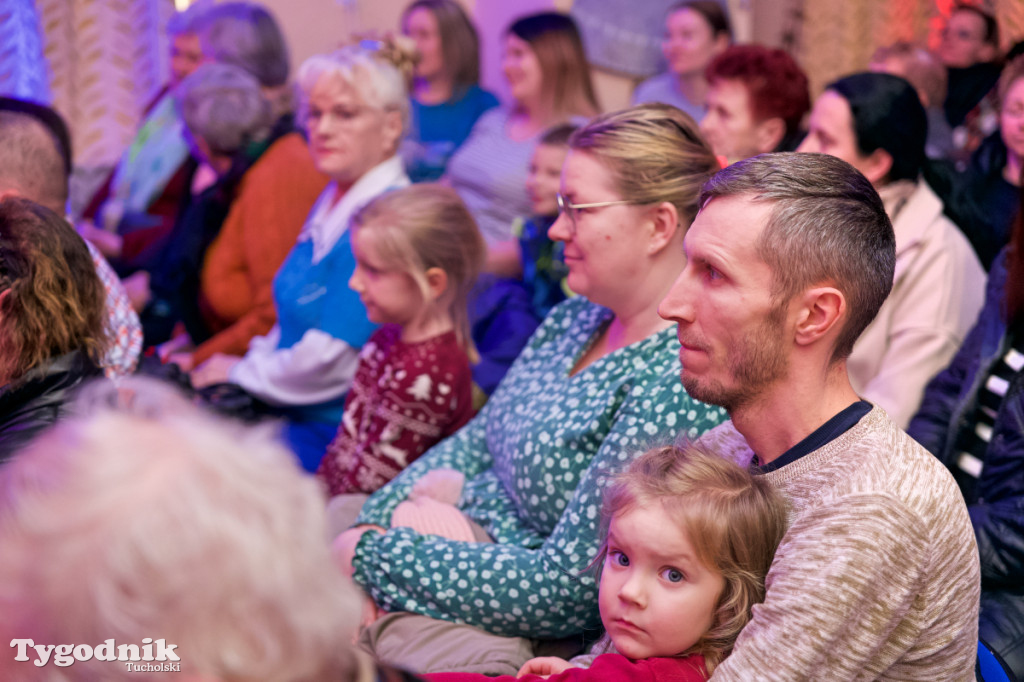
[{"x": 312, "y": 295}]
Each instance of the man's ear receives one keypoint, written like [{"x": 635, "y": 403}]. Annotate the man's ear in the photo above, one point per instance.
[
  {"x": 821, "y": 313},
  {"x": 769, "y": 134},
  {"x": 876, "y": 166},
  {"x": 664, "y": 226},
  {"x": 9, "y": 192},
  {"x": 437, "y": 282}
]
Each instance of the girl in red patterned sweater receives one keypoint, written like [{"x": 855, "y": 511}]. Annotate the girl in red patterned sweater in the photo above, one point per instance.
[{"x": 417, "y": 253}]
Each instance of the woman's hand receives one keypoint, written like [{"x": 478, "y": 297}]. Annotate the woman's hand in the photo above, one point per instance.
[
  {"x": 214, "y": 371},
  {"x": 173, "y": 346},
  {"x": 344, "y": 547},
  {"x": 544, "y": 666}
]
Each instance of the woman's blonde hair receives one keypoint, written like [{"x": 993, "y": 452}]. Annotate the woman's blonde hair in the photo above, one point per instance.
[
  {"x": 733, "y": 520},
  {"x": 655, "y": 152},
  {"x": 556, "y": 41},
  {"x": 380, "y": 72},
  {"x": 427, "y": 226}
]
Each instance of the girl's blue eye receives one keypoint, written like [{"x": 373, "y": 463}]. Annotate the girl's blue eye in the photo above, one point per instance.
[
  {"x": 673, "y": 575},
  {"x": 618, "y": 558}
]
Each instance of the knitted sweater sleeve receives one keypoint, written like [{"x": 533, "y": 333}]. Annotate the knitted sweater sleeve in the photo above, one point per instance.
[{"x": 834, "y": 596}]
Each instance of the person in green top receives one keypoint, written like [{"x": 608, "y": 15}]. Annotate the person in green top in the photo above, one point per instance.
[{"x": 597, "y": 384}]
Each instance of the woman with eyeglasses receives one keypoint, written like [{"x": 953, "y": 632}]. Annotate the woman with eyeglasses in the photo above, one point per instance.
[
  {"x": 596, "y": 385},
  {"x": 356, "y": 108}
]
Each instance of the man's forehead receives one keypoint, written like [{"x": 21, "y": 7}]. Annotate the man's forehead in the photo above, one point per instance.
[{"x": 736, "y": 215}]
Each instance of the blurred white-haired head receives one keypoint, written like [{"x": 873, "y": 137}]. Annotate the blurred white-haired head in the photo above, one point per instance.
[{"x": 144, "y": 516}]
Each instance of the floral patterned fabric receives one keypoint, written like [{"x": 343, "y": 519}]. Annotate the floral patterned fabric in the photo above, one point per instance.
[{"x": 535, "y": 459}]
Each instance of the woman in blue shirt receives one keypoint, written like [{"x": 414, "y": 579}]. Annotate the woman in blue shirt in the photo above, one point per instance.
[{"x": 446, "y": 99}]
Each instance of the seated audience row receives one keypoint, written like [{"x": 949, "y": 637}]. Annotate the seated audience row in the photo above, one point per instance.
[{"x": 811, "y": 296}]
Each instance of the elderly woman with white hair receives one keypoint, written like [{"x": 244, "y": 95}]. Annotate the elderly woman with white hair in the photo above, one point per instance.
[{"x": 356, "y": 109}]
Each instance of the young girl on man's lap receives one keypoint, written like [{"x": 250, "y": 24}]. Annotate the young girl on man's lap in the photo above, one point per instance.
[
  {"x": 417, "y": 253},
  {"x": 690, "y": 538}
]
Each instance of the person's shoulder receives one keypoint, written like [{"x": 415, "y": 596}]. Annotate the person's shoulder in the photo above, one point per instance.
[
  {"x": 493, "y": 119},
  {"x": 480, "y": 99},
  {"x": 876, "y": 457},
  {"x": 572, "y": 321},
  {"x": 382, "y": 339},
  {"x": 447, "y": 354},
  {"x": 652, "y": 88},
  {"x": 286, "y": 158},
  {"x": 729, "y": 443},
  {"x": 937, "y": 241}
]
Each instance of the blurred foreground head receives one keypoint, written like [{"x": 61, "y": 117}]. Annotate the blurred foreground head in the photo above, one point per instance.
[{"x": 144, "y": 517}]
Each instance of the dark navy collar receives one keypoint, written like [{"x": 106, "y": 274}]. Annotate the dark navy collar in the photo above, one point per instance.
[{"x": 824, "y": 434}]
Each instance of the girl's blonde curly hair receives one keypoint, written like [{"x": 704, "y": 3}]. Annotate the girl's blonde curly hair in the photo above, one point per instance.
[{"x": 734, "y": 522}]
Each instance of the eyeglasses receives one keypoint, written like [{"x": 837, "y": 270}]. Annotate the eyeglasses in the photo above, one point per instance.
[{"x": 564, "y": 206}]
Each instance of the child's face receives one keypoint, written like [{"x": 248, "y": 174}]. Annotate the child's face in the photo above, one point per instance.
[
  {"x": 656, "y": 598},
  {"x": 389, "y": 295},
  {"x": 545, "y": 175}
]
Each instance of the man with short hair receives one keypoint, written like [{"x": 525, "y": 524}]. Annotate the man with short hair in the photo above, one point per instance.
[
  {"x": 877, "y": 577},
  {"x": 757, "y": 98},
  {"x": 34, "y": 163}
]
